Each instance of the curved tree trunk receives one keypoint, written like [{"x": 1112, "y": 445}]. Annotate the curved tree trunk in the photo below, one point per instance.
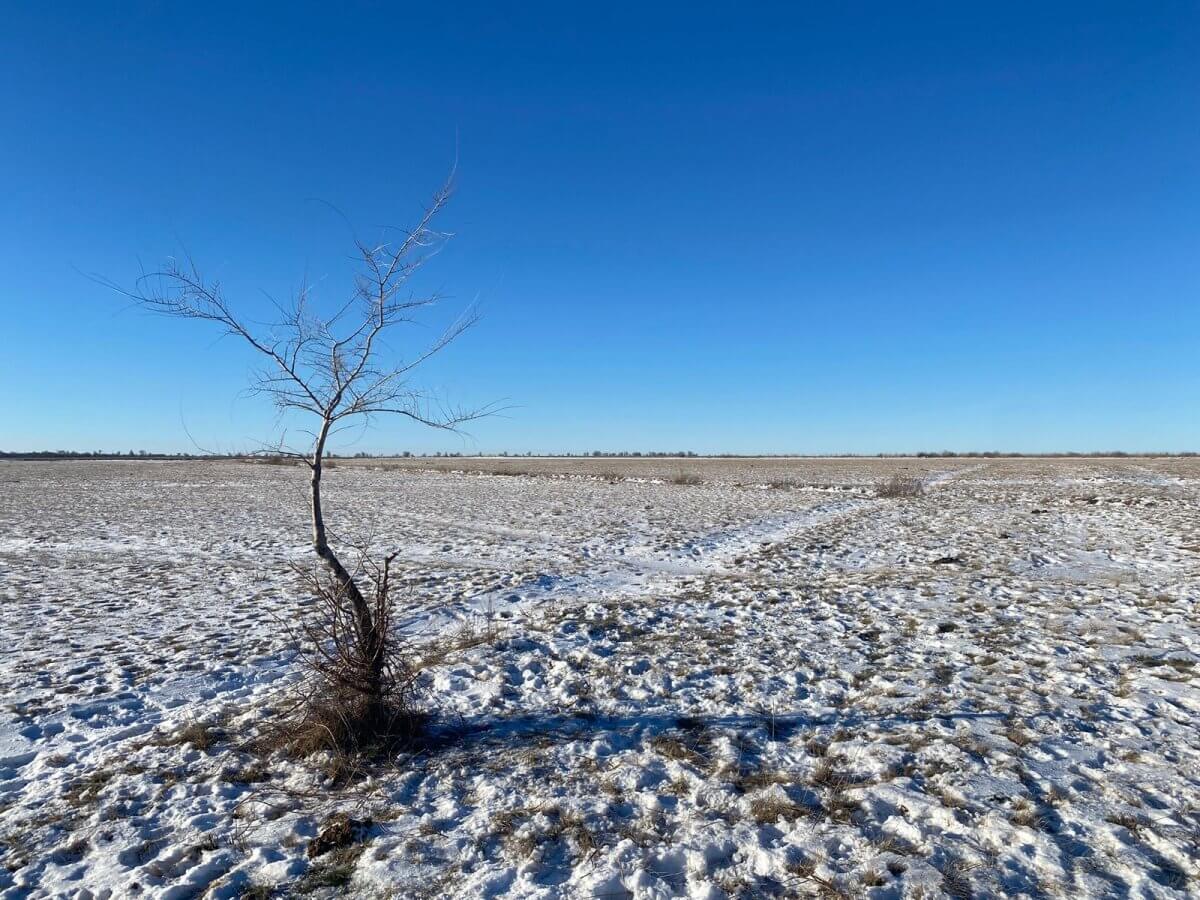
[{"x": 370, "y": 641}]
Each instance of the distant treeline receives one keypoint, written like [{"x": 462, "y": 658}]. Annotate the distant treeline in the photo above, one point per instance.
[
  {"x": 1069, "y": 454},
  {"x": 104, "y": 454},
  {"x": 601, "y": 454}
]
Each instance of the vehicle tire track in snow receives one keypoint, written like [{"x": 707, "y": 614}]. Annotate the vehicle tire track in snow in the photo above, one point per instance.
[{"x": 636, "y": 573}]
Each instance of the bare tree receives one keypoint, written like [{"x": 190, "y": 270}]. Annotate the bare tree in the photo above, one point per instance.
[{"x": 331, "y": 370}]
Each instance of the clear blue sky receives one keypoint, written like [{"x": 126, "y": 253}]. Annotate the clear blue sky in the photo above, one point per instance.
[{"x": 735, "y": 227}]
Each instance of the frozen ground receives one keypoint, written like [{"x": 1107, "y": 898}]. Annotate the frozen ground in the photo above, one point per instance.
[{"x": 769, "y": 684}]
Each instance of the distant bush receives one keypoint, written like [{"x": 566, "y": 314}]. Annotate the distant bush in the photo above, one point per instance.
[{"x": 900, "y": 486}]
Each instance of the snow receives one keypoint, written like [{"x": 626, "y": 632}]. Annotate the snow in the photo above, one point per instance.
[{"x": 771, "y": 683}]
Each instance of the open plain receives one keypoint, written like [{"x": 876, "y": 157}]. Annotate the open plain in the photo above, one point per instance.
[{"x": 652, "y": 677}]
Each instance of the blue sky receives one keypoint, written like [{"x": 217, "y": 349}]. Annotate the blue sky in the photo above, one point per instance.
[{"x": 736, "y": 227}]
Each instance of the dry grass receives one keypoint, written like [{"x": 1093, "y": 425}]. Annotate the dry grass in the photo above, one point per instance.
[
  {"x": 337, "y": 832},
  {"x": 560, "y": 826},
  {"x": 764, "y": 778},
  {"x": 335, "y": 871},
  {"x": 956, "y": 880},
  {"x": 770, "y": 809},
  {"x": 1019, "y": 736},
  {"x": 900, "y": 486},
  {"x": 86, "y": 790},
  {"x": 675, "y": 749},
  {"x": 200, "y": 735},
  {"x": 255, "y": 773},
  {"x": 331, "y": 724},
  {"x": 257, "y": 891},
  {"x": 806, "y": 871}
]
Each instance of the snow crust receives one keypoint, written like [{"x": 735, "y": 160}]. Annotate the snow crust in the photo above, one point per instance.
[{"x": 772, "y": 683}]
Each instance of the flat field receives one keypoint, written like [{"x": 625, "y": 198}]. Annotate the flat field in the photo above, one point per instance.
[{"x": 770, "y": 683}]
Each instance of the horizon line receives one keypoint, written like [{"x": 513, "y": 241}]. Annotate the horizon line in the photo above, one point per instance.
[{"x": 33, "y": 455}]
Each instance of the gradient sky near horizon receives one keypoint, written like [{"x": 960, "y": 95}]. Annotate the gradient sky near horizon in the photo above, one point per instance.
[{"x": 807, "y": 228}]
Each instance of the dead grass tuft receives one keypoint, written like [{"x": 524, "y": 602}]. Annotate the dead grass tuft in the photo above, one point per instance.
[
  {"x": 87, "y": 790},
  {"x": 1026, "y": 815},
  {"x": 337, "y": 832},
  {"x": 254, "y": 773},
  {"x": 1019, "y": 736},
  {"x": 805, "y": 870},
  {"x": 560, "y": 826},
  {"x": 956, "y": 881},
  {"x": 335, "y": 871},
  {"x": 334, "y": 726},
  {"x": 200, "y": 735},
  {"x": 900, "y": 486},
  {"x": 763, "y": 778},
  {"x": 770, "y": 809},
  {"x": 874, "y": 878},
  {"x": 676, "y": 749}
]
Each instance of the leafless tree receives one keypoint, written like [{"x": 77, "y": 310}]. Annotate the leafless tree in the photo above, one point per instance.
[{"x": 331, "y": 369}]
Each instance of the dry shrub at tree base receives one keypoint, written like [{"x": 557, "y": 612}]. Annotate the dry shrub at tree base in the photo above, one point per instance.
[{"x": 360, "y": 696}]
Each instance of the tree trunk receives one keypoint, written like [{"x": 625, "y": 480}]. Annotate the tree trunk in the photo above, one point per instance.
[{"x": 370, "y": 642}]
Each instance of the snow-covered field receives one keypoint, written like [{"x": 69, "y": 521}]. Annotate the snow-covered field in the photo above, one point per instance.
[{"x": 772, "y": 683}]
